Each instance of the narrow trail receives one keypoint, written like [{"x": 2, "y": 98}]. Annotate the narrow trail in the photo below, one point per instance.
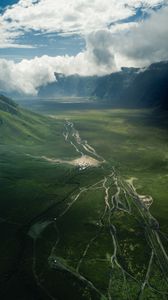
[{"x": 119, "y": 196}]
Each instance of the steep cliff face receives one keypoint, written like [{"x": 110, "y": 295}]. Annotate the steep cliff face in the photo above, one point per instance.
[
  {"x": 74, "y": 85},
  {"x": 150, "y": 87},
  {"x": 131, "y": 87}
]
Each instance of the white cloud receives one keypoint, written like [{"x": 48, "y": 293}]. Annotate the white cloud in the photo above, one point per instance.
[
  {"x": 67, "y": 16},
  {"x": 26, "y": 76},
  {"x": 8, "y": 37},
  {"x": 147, "y": 42},
  {"x": 132, "y": 44}
]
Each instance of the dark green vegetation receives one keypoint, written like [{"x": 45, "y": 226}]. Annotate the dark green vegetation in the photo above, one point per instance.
[{"x": 73, "y": 232}]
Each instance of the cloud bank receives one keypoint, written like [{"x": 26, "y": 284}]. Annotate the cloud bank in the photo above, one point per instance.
[
  {"x": 147, "y": 42},
  {"x": 28, "y": 75}
]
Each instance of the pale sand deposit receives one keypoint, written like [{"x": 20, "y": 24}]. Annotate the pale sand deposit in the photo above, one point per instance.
[{"x": 83, "y": 162}]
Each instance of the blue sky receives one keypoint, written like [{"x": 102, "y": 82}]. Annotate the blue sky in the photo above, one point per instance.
[
  {"x": 51, "y": 44},
  {"x": 4, "y": 3},
  {"x": 42, "y": 43},
  {"x": 40, "y": 37}
]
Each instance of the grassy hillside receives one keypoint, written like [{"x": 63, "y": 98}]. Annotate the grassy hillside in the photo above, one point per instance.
[
  {"x": 29, "y": 187},
  {"x": 21, "y": 126},
  {"x": 8, "y": 105}
]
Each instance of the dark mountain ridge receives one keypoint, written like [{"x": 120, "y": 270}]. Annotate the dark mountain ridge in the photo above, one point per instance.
[
  {"x": 130, "y": 87},
  {"x": 150, "y": 87},
  {"x": 73, "y": 85}
]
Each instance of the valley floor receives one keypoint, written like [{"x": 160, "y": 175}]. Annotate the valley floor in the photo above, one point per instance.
[{"x": 84, "y": 211}]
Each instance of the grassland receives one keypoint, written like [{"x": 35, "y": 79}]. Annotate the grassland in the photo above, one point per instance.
[{"x": 57, "y": 235}]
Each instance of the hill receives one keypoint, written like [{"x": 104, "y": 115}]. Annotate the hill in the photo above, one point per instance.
[
  {"x": 21, "y": 126},
  {"x": 8, "y": 105}
]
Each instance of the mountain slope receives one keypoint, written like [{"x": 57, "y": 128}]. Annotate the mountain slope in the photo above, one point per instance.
[
  {"x": 18, "y": 125},
  {"x": 150, "y": 87},
  {"x": 112, "y": 87},
  {"x": 8, "y": 105}
]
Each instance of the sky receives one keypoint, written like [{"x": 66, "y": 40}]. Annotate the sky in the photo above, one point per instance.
[{"x": 41, "y": 37}]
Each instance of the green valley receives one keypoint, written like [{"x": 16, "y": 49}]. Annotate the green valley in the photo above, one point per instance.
[{"x": 83, "y": 207}]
